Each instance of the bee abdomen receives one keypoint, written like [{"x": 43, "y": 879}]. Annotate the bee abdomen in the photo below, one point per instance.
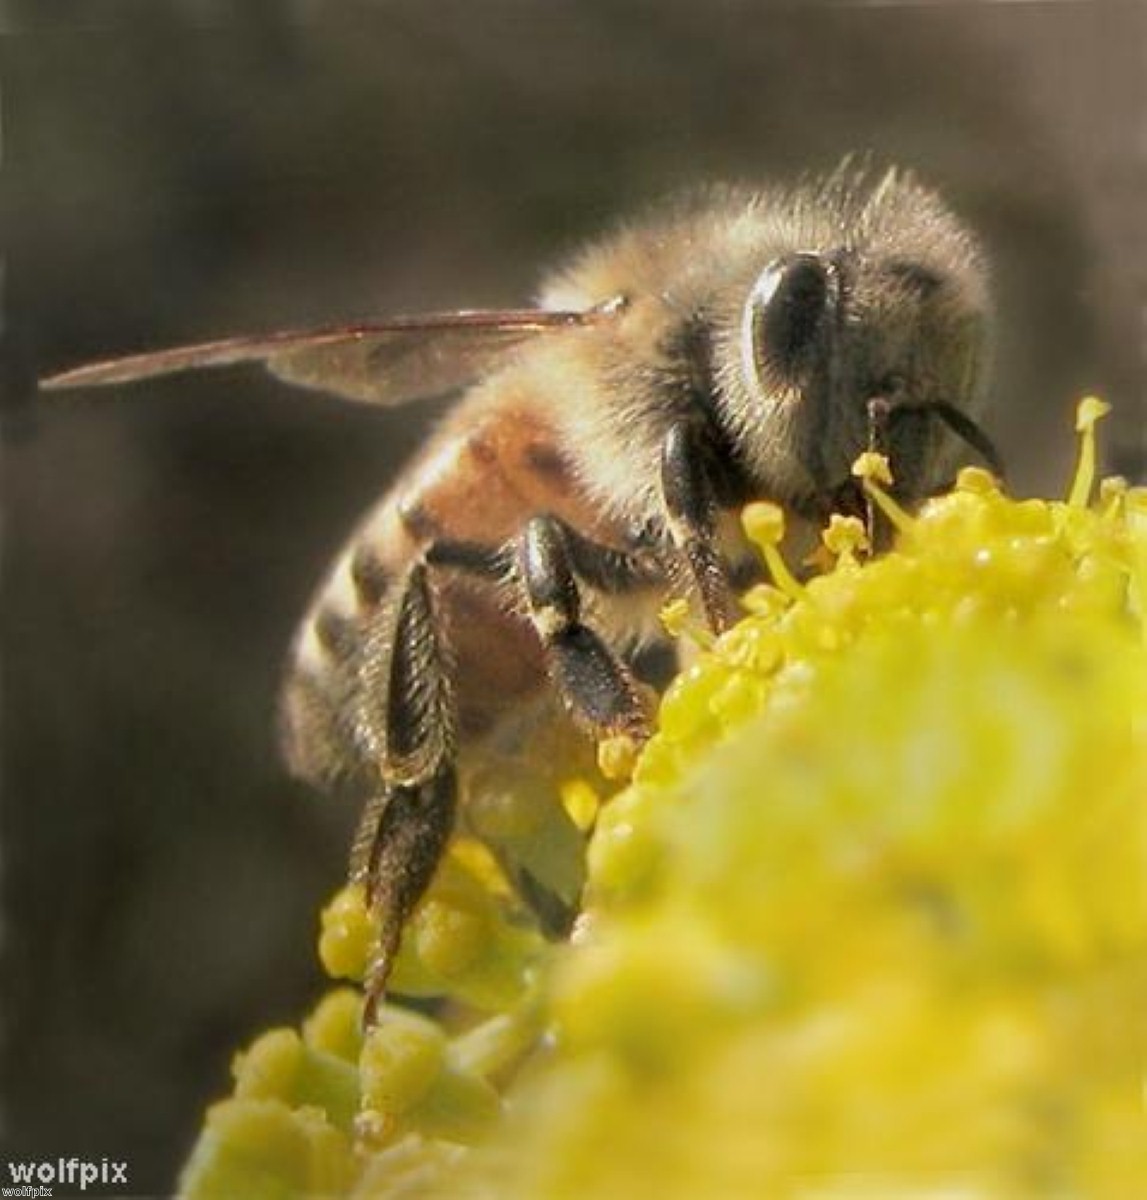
[
  {"x": 369, "y": 574},
  {"x": 338, "y": 635},
  {"x": 328, "y": 716},
  {"x": 469, "y": 493},
  {"x": 312, "y": 732}
]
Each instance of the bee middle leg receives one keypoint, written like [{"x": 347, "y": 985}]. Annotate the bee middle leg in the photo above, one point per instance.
[
  {"x": 548, "y": 562},
  {"x": 595, "y": 684}
]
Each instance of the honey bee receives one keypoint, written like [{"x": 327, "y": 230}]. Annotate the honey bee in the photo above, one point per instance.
[{"x": 739, "y": 345}]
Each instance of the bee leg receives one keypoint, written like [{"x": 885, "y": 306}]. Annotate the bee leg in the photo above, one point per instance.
[
  {"x": 604, "y": 568},
  {"x": 413, "y": 827},
  {"x": 689, "y": 496},
  {"x": 408, "y": 820},
  {"x": 594, "y": 683},
  {"x": 607, "y": 570}
]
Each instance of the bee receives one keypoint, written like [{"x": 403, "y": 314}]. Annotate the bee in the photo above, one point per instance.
[{"x": 742, "y": 344}]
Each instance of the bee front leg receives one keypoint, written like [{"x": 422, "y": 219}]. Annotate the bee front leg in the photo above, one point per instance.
[
  {"x": 690, "y": 500},
  {"x": 595, "y": 685}
]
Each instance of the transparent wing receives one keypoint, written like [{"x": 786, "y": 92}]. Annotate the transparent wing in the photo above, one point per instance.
[{"x": 381, "y": 362}]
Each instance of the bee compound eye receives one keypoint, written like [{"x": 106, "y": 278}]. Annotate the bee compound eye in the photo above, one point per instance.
[{"x": 785, "y": 312}]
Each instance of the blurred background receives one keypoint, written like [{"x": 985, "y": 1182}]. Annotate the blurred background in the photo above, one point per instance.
[{"x": 183, "y": 170}]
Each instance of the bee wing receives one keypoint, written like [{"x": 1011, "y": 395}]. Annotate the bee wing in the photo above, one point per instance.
[{"x": 380, "y": 362}]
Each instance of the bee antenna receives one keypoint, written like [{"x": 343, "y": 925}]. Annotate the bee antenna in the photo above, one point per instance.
[
  {"x": 883, "y": 412},
  {"x": 967, "y": 430}
]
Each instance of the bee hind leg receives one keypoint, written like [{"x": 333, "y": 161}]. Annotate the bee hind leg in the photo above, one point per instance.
[
  {"x": 597, "y": 687},
  {"x": 409, "y": 816},
  {"x": 402, "y": 838}
]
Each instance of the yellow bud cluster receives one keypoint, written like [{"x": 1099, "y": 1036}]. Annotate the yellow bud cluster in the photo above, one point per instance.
[
  {"x": 869, "y": 921},
  {"x": 460, "y": 940},
  {"x": 333, "y": 1113},
  {"x": 289, "y": 1128}
]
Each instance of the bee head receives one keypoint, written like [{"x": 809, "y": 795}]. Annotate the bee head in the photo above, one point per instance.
[{"x": 825, "y": 332}]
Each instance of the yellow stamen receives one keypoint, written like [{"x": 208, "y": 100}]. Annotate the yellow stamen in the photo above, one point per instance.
[
  {"x": 1112, "y": 492},
  {"x": 873, "y": 467},
  {"x": 764, "y": 525},
  {"x": 581, "y": 802},
  {"x": 617, "y": 756},
  {"x": 677, "y": 620},
  {"x": 873, "y": 470},
  {"x": 1091, "y": 409},
  {"x": 845, "y": 537},
  {"x": 977, "y": 482}
]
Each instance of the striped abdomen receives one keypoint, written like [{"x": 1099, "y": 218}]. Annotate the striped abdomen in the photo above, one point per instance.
[{"x": 474, "y": 486}]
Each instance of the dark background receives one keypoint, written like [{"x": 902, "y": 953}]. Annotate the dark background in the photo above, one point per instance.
[{"x": 174, "y": 171}]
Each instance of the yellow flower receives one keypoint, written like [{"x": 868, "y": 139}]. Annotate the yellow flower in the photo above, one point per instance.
[{"x": 869, "y": 921}]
